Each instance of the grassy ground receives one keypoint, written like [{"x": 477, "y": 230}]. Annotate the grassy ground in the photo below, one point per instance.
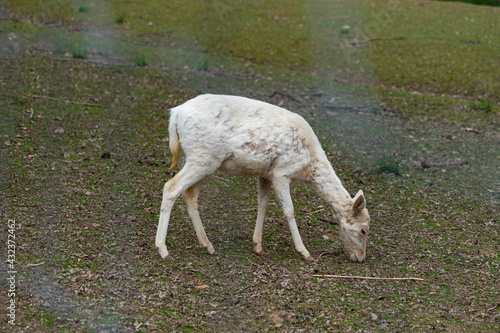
[
  {"x": 84, "y": 157},
  {"x": 422, "y": 58}
]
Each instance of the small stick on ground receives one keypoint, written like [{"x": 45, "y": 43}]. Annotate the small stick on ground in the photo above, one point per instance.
[
  {"x": 365, "y": 277},
  {"x": 316, "y": 211},
  {"x": 34, "y": 265}
]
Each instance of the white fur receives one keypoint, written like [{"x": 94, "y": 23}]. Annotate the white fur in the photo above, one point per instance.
[{"x": 245, "y": 137}]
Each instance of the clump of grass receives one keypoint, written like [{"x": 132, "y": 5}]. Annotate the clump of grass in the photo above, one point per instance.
[
  {"x": 120, "y": 19},
  {"x": 141, "y": 60},
  {"x": 482, "y": 106},
  {"x": 83, "y": 9},
  {"x": 46, "y": 319},
  {"x": 61, "y": 48},
  {"x": 18, "y": 101},
  {"x": 78, "y": 51},
  {"x": 389, "y": 164},
  {"x": 204, "y": 65}
]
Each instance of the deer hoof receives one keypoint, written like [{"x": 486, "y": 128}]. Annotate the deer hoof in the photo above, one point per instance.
[
  {"x": 257, "y": 248},
  {"x": 210, "y": 249},
  {"x": 162, "y": 250},
  {"x": 310, "y": 259}
]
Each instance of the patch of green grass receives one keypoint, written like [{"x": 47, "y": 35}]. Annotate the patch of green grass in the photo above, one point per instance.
[
  {"x": 440, "y": 107},
  {"x": 141, "y": 60},
  {"x": 204, "y": 65},
  {"x": 18, "y": 101},
  {"x": 34, "y": 11},
  {"x": 120, "y": 19},
  {"x": 78, "y": 50},
  {"x": 447, "y": 48},
  {"x": 389, "y": 164},
  {"x": 261, "y": 31},
  {"x": 61, "y": 48},
  {"x": 345, "y": 29},
  {"x": 46, "y": 319},
  {"x": 83, "y": 9},
  {"x": 482, "y": 106}
]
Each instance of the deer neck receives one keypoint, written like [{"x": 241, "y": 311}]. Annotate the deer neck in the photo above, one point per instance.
[{"x": 329, "y": 187}]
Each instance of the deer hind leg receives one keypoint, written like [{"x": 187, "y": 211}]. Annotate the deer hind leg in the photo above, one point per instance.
[
  {"x": 191, "y": 198},
  {"x": 264, "y": 190},
  {"x": 187, "y": 177},
  {"x": 282, "y": 189}
]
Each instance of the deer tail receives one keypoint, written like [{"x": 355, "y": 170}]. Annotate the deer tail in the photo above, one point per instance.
[{"x": 173, "y": 138}]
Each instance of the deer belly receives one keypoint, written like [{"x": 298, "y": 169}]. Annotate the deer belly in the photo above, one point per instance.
[{"x": 247, "y": 166}]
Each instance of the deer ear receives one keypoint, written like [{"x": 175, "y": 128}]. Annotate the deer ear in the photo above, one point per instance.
[{"x": 359, "y": 202}]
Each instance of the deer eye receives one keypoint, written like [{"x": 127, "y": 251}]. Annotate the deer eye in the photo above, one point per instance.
[{"x": 363, "y": 231}]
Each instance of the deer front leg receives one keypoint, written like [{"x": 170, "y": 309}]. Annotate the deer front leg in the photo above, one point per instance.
[
  {"x": 264, "y": 191},
  {"x": 282, "y": 189},
  {"x": 191, "y": 198}
]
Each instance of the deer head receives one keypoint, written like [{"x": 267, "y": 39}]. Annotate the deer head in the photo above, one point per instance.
[{"x": 354, "y": 228}]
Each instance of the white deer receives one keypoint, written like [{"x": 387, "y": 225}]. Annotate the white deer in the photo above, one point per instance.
[{"x": 245, "y": 137}]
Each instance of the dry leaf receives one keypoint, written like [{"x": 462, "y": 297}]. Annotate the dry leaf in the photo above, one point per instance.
[
  {"x": 203, "y": 286},
  {"x": 278, "y": 317},
  {"x": 7, "y": 143},
  {"x": 278, "y": 321}
]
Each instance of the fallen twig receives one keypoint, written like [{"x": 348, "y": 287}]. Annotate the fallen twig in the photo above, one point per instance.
[
  {"x": 34, "y": 265},
  {"x": 493, "y": 308},
  {"x": 316, "y": 211},
  {"x": 450, "y": 164},
  {"x": 427, "y": 165},
  {"x": 364, "y": 277}
]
